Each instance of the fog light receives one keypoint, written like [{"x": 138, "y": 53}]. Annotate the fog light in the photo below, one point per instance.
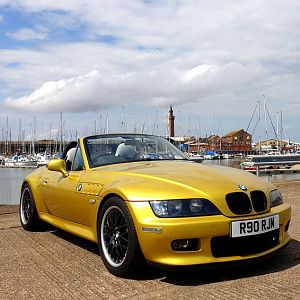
[{"x": 185, "y": 245}]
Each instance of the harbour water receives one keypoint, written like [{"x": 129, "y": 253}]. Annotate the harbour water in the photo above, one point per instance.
[
  {"x": 10, "y": 184},
  {"x": 11, "y": 179}
]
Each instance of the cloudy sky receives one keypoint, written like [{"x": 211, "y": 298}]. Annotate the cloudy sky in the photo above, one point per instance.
[{"x": 104, "y": 62}]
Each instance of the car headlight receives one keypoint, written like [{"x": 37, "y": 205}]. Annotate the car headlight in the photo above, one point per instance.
[
  {"x": 276, "y": 198},
  {"x": 183, "y": 208}
]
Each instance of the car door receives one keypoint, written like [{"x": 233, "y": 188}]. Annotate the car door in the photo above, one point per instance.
[
  {"x": 59, "y": 193},
  {"x": 86, "y": 194},
  {"x": 71, "y": 198}
]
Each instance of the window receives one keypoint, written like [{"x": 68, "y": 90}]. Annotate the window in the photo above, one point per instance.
[{"x": 78, "y": 164}]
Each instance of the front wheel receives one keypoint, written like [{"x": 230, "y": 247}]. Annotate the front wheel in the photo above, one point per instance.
[
  {"x": 117, "y": 239},
  {"x": 28, "y": 214}
]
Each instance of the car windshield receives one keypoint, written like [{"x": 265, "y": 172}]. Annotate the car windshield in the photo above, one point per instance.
[{"x": 113, "y": 149}]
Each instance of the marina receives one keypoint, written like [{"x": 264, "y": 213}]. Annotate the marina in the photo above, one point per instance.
[{"x": 11, "y": 177}]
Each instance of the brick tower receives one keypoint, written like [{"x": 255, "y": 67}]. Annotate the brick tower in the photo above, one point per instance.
[{"x": 171, "y": 119}]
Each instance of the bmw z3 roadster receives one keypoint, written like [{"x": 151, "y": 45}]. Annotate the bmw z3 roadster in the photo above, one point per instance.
[{"x": 142, "y": 200}]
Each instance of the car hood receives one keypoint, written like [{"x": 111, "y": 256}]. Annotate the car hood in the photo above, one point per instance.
[{"x": 181, "y": 179}]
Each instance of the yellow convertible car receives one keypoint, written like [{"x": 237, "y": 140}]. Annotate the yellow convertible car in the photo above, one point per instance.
[{"x": 141, "y": 199}]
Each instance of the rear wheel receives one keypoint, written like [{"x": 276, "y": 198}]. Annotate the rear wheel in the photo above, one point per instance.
[
  {"x": 117, "y": 239},
  {"x": 28, "y": 214}
]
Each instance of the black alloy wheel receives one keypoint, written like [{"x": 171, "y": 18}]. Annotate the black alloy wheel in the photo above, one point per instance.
[
  {"x": 28, "y": 214},
  {"x": 117, "y": 239}
]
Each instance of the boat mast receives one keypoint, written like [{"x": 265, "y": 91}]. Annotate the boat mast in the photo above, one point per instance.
[
  {"x": 179, "y": 118},
  {"x": 266, "y": 125},
  {"x": 10, "y": 143},
  {"x": 213, "y": 124},
  {"x": 281, "y": 128},
  {"x": 277, "y": 130},
  {"x": 50, "y": 142},
  {"x": 123, "y": 127},
  {"x": 100, "y": 124},
  {"x": 189, "y": 129},
  {"x": 218, "y": 135},
  {"x": 199, "y": 134},
  {"x": 144, "y": 125},
  {"x": 6, "y": 137},
  {"x": 155, "y": 122},
  {"x": 2, "y": 152},
  {"x": 259, "y": 129},
  {"x": 61, "y": 133},
  {"x": 107, "y": 124},
  {"x": 19, "y": 135}
]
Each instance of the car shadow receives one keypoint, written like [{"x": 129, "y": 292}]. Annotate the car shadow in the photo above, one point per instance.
[
  {"x": 77, "y": 241},
  {"x": 286, "y": 259},
  {"x": 148, "y": 271}
]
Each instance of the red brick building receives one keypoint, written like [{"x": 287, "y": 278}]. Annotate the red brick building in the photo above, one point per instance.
[
  {"x": 214, "y": 143},
  {"x": 205, "y": 144},
  {"x": 238, "y": 140}
]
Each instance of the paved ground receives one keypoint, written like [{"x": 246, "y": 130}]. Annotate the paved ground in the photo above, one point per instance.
[{"x": 57, "y": 265}]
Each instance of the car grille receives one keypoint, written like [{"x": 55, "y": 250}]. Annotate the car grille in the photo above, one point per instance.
[
  {"x": 240, "y": 204},
  {"x": 259, "y": 200},
  {"x": 223, "y": 246}
]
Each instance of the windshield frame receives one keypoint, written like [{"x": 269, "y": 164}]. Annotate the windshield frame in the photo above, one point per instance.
[{"x": 172, "y": 152}]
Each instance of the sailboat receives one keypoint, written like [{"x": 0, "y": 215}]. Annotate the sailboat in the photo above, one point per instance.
[{"x": 270, "y": 157}]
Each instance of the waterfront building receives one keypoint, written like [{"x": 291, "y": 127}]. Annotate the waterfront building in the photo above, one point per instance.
[
  {"x": 211, "y": 143},
  {"x": 275, "y": 145},
  {"x": 237, "y": 141}
]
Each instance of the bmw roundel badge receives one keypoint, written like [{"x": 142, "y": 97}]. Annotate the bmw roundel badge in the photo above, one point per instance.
[{"x": 243, "y": 188}]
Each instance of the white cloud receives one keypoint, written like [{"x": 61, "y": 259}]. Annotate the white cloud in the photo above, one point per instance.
[
  {"x": 27, "y": 34},
  {"x": 195, "y": 72},
  {"x": 97, "y": 90},
  {"x": 199, "y": 55},
  {"x": 62, "y": 95}
]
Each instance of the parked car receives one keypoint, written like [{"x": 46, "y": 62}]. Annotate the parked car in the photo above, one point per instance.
[{"x": 141, "y": 199}]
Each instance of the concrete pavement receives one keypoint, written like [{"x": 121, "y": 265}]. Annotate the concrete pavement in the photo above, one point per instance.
[{"x": 56, "y": 265}]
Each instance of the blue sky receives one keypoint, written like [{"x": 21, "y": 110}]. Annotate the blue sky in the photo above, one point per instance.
[{"x": 97, "y": 60}]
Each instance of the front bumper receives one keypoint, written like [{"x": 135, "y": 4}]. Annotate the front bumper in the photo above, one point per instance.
[{"x": 156, "y": 244}]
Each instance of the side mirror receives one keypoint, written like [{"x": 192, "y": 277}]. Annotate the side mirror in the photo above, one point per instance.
[{"x": 58, "y": 165}]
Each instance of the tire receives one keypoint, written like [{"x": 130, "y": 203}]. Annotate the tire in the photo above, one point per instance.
[
  {"x": 117, "y": 239},
  {"x": 28, "y": 214}
]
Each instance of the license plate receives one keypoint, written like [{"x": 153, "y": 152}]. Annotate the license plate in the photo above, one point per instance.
[{"x": 254, "y": 226}]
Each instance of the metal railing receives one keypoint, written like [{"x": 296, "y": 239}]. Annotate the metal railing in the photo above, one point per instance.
[{"x": 289, "y": 163}]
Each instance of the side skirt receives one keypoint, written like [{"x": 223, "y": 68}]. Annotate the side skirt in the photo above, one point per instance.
[{"x": 74, "y": 228}]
